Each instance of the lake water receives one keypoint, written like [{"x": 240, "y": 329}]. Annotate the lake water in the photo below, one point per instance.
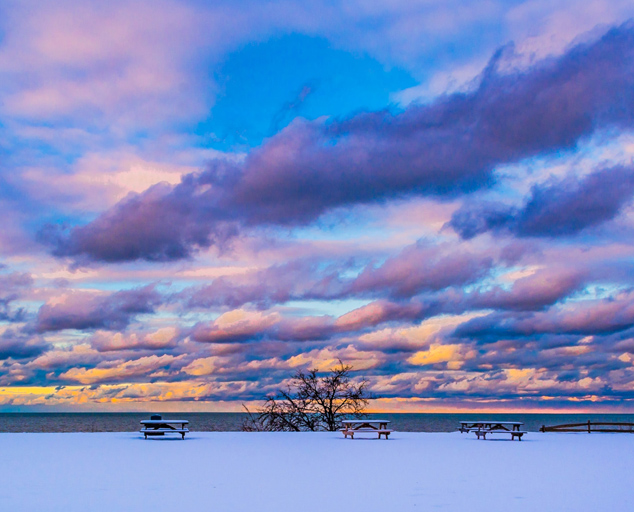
[{"x": 226, "y": 422}]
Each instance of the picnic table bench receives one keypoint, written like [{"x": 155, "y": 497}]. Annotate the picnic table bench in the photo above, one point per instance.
[
  {"x": 352, "y": 427},
  {"x": 482, "y": 428},
  {"x": 162, "y": 427}
]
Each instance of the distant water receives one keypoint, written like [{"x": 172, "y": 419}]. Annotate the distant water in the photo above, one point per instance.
[{"x": 228, "y": 422}]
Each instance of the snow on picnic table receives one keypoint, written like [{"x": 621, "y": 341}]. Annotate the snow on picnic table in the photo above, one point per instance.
[{"x": 240, "y": 471}]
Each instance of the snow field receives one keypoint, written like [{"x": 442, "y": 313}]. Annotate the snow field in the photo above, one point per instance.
[{"x": 235, "y": 471}]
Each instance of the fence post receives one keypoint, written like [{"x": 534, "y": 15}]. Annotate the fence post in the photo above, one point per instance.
[{"x": 588, "y": 426}]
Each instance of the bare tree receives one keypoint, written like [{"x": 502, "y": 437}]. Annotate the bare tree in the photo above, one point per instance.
[{"x": 311, "y": 402}]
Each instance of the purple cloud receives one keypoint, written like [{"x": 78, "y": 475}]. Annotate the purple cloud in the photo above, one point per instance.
[
  {"x": 243, "y": 326},
  {"x": 586, "y": 319},
  {"x": 11, "y": 287},
  {"x": 382, "y": 311},
  {"x": 530, "y": 293},
  {"x": 448, "y": 147},
  {"x": 15, "y": 346},
  {"x": 294, "y": 280},
  {"x": 421, "y": 267},
  {"x": 555, "y": 208},
  {"x": 86, "y": 311}
]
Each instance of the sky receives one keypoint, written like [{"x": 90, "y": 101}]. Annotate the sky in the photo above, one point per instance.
[{"x": 199, "y": 199}]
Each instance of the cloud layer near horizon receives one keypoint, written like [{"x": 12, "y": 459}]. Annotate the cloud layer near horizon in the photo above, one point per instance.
[{"x": 469, "y": 243}]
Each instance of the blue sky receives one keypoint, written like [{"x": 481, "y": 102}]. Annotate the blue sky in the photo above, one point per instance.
[
  {"x": 263, "y": 86},
  {"x": 198, "y": 199}
]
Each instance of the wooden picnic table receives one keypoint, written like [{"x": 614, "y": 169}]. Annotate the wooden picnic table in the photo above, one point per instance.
[
  {"x": 467, "y": 426},
  {"x": 484, "y": 427},
  {"x": 357, "y": 426},
  {"x": 375, "y": 424},
  {"x": 162, "y": 427}
]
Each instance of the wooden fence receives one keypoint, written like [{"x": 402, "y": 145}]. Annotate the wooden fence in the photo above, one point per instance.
[{"x": 590, "y": 426}]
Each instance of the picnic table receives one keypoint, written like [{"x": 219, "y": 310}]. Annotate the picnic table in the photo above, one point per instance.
[
  {"x": 162, "y": 427},
  {"x": 484, "y": 427},
  {"x": 352, "y": 427}
]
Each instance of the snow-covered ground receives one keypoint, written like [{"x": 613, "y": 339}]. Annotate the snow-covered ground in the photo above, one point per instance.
[{"x": 235, "y": 471}]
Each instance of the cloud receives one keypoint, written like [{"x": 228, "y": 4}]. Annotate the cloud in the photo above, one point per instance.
[
  {"x": 448, "y": 147},
  {"x": 64, "y": 358},
  {"x": 450, "y": 355},
  {"x": 205, "y": 366},
  {"x": 555, "y": 208},
  {"x": 118, "y": 371},
  {"x": 11, "y": 287},
  {"x": 236, "y": 326},
  {"x": 242, "y": 326},
  {"x": 121, "y": 63},
  {"x": 293, "y": 280},
  {"x": 536, "y": 291},
  {"x": 475, "y": 218},
  {"x": 583, "y": 318},
  {"x": 105, "y": 341},
  {"x": 16, "y": 346},
  {"x": 381, "y": 311},
  {"x": 422, "y": 267},
  {"x": 86, "y": 310}
]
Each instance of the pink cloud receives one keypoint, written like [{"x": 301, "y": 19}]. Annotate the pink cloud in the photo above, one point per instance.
[
  {"x": 163, "y": 338},
  {"x": 242, "y": 325}
]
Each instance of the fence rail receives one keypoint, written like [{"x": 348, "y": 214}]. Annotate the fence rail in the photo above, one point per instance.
[{"x": 590, "y": 426}]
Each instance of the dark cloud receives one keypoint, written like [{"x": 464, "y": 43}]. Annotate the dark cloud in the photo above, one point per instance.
[
  {"x": 475, "y": 218},
  {"x": 17, "y": 346},
  {"x": 587, "y": 318},
  {"x": 85, "y": 311},
  {"x": 162, "y": 224},
  {"x": 567, "y": 207},
  {"x": 555, "y": 208},
  {"x": 448, "y": 147}
]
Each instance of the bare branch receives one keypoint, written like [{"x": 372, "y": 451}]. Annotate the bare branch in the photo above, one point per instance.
[{"x": 312, "y": 402}]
